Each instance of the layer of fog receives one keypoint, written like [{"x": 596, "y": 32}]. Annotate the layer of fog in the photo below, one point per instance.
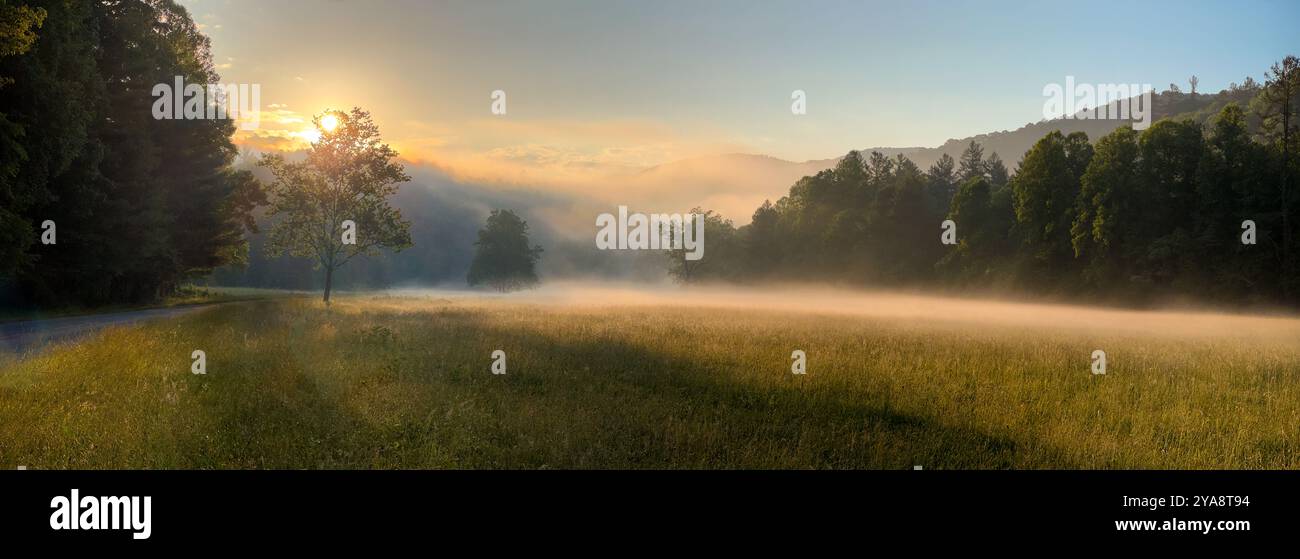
[
  {"x": 446, "y": 215},
  {"x": 889, "y": 306}
]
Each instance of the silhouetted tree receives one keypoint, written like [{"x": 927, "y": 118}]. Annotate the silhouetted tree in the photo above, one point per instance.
[
  {"x": 1045, "y": 188},
  {"x": 979, "y": 235},
  {"x": 972, "y": 163},
  {"x": 1279, "y": 101},
  {"x": 348, "y": 175},
  {"x": 942, "y": 182},
  {"x": 18, "y": 25},
  {"x": 1237, "y": 183},
  {"x": 722, "y": 254},
  {"x": 1109, "y": 208},
  {"x": 762, "y": 240},
  {"x": 503, "y": 258},
  {"x": 140, "y": 204},
  {"x": 997, "y": 171}
]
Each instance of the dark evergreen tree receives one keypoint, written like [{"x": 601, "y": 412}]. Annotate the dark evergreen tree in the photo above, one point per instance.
[
  {"x": 942, "y": 183},
  {"x": 503, "y": 258},
  {"x": 997, "y": 171},
  {"x": 139, "y": 204},
  {"x": 972, "y": 163}
]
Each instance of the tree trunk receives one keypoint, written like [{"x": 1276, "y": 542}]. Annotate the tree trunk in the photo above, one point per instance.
[{"x": 329, "y": 280}]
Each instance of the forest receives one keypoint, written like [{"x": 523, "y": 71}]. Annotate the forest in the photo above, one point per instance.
[
  {"x": 138, "y": 205},
  {"x": 1196, "y": 205}
]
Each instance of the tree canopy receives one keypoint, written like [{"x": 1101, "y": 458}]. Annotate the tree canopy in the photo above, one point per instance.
[
  {"x": 333, "y": 206},
  {"x": 503, "y": 257},
  {"x": 138, "y": 205},
  {"x": 1165, "y": 211}
]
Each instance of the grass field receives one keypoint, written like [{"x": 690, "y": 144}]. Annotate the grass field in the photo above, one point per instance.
[{"x": 658, "y": 382}]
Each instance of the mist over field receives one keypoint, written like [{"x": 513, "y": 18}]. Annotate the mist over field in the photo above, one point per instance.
[
  {"x": 1276, "y": 325},
  {"x": 619, "y": 376},
  {"x": 446, "y": 214}
]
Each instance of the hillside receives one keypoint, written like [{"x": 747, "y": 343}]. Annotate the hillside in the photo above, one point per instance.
[{"x": 753, "y": 178}]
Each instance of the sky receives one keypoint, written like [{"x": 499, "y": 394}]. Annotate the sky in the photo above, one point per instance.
[{"x": 595, "y": 89}]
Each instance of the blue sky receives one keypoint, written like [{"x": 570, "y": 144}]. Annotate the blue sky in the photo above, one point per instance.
[{"x": 620, "y": 84}]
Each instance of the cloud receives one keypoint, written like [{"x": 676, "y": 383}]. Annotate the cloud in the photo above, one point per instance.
[
  {"x": 604, "y": 163},
  {"x": 278, "y": 129},
  {"x": 552, "y": 153}
]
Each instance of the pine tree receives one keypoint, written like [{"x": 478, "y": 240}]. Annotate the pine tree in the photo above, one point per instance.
[
  {"x": 997, "y": 171},
  {"x": 972, "y": 163}
]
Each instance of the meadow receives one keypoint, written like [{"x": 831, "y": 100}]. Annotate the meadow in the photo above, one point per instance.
[{"x": 661, "y": 380}]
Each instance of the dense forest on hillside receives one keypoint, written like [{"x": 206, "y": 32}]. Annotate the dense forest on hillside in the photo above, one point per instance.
[
  {"x": 1132, "y": 216},
  {"x": 138, "y": 205},
  {"x": 1173, "y": 102}
]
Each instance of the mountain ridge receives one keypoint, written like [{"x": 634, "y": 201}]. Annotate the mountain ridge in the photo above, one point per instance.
[{"x": 764, "y": 176}]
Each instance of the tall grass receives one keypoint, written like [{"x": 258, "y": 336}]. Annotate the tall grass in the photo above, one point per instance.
[{"x": 379, "y": 382}]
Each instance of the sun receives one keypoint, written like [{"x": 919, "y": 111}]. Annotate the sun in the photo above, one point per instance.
[{"x": 329, "y": 122}]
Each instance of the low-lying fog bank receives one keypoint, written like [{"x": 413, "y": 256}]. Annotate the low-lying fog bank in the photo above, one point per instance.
[{"x": 887, "y": 305}]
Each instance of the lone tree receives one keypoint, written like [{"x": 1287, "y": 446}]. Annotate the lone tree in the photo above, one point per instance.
[
  {"x": 502, "y": 258},
  {"x": 334, "y": 206}
]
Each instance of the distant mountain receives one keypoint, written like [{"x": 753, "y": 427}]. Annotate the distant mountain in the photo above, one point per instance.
[
  {"x": 738, "y": 183},
  {"x": 1011, "y": 145}
]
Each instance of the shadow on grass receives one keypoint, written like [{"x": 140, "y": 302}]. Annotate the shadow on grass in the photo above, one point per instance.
[
  {"x": 786, "y": 422},
  {"x": 595, "y": 402}
]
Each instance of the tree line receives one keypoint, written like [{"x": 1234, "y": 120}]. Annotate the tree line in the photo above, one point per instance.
[
  {"x": 1204, "y": 210},
  {"x": 138, "y": 205}
]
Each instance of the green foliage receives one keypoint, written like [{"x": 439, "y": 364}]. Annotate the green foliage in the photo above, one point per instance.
[
  {"x": 1238, "y": 183},
  {"x": 943, "y": 183},
  {"x": 1045, "y": 189},
  {"x": 503, "y": 257},
  {"x": 1109, "y": 206},
  {"x": 762, "y": 241},
  {"x": 1141, "y": 214},
  {"x": 1279, "y": 106},
  {"x": 1171, "y": 153},
  {"x": 348, "y": 175},
  {"x": 972, "y": 163},
  {"x": 721, "y": 240},
  {"x": 140, "y": 205},
  {"x": 997, "y": 171},
  {"x": 985, "y": 217},
  {"x": 18, "y": 25}
]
